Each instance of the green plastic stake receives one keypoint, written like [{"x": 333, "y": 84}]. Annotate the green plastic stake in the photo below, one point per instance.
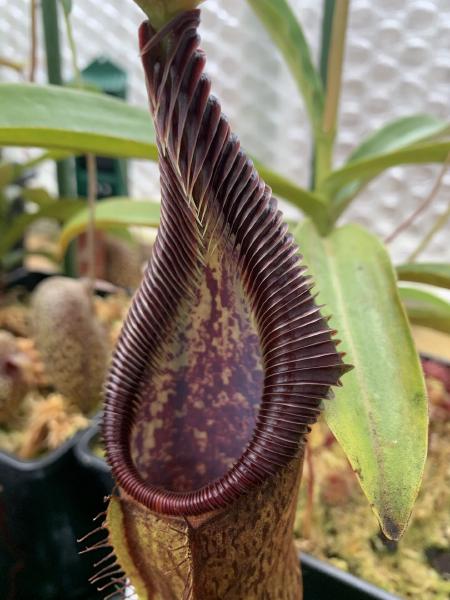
[{"x": 64, "y": 168}]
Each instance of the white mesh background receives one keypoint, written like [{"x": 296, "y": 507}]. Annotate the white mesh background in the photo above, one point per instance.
[{"x": 397, "y": 63}]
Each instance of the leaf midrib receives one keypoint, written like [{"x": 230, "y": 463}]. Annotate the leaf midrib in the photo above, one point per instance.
[{"x": 331, "y": 262}]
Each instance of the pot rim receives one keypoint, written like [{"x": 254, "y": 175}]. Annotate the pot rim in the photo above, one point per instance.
[
  {"x": 49, "y": 459},
  {"x": 45, "y": 462},
  {"x": 83, "y": 450},
  {"x": 368, "y": 590}
]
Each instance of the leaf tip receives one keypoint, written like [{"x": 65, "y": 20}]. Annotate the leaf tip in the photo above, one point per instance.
[{"x": 391, "y": 528}]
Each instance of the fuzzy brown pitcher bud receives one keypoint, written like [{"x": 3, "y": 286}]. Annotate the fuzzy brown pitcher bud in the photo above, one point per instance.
[{"x": 70, "y": 339}]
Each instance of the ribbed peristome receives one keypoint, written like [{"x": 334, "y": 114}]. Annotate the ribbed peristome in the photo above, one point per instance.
[{"x": 224, "y": 311}]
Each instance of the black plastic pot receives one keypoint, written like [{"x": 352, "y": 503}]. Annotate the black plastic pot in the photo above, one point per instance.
[
  {"x": 45, "y": 505},
  {"x": 92, "y": 463},
  {"x": 322, "y": 581},
  {"x": 23, "y": 278}
]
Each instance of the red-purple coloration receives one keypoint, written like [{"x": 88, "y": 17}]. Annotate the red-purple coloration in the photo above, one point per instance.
[{"x": 222, "y": 249}]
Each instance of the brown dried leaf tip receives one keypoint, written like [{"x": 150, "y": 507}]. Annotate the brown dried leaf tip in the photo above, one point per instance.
[{"x": 224, "y": 357}]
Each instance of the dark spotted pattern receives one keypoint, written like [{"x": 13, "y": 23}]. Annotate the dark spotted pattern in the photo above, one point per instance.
[{"x": 224, "y": 357}]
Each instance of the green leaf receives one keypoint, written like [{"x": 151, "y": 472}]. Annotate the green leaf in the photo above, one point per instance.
[
  {"x": 39, "y": 196},
  {"x": 112, "y": 213},
  {"x": 380, "y": 415},
  {"x": 399, "y": 134},
  {"x": 67, "y": 6},
  {"x": 60, "y": 210},
  {"x": 287, "y": 33},
  {"x": 358, "y": 173},
  {"x": 426, "y": 309},
  {"x": 310, "y": 203},
  {"x": 160, "y": 12},
  {"x": 73, "y": 120},
  {"x": 431, "y": 273},
  {"x": 54, "y": 155},
  {"x": 8, "y": 173}
]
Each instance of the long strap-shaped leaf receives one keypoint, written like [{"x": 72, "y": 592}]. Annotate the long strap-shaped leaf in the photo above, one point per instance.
[{"x": 223, "y": 359}]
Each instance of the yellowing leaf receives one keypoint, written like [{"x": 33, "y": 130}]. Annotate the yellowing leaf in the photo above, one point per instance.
[{"x": 380, "y": 416}]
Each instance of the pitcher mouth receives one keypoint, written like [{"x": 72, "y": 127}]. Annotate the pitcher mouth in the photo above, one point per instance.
[{"x": 221, "y": 237}]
